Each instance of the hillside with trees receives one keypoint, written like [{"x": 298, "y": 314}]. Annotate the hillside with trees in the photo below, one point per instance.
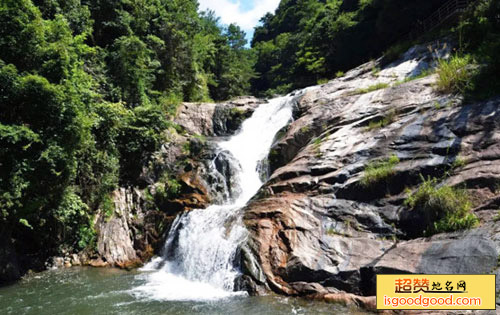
[
  {"x": 306, "y": 41},
  {"x": 87, "y": 93}
]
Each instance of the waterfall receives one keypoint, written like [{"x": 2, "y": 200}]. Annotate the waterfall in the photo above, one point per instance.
[{"x": 198, "y": 257}]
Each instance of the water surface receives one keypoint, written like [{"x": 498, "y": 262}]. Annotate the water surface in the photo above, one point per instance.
[{"x": 110, "y": 291}]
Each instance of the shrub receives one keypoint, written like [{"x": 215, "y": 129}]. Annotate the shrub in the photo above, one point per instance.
[
  {"x": 339, "y": 74},
  {"x": 375, "y": 71},
  {"x": 455, "y": 75},
  {"x": 317, "y": 147},
  {"x": 458, "y": 163},
  {"x": 318, "y": 142},
  {"x": 379, "y": 171},
  {"x": 108, "y": 207},
  {"x": 305, "y": 129},
  {"x": 75, "y": 225},
  {"x": 445, "y": 209},
  {"x": 200, "y": 138},
  {"x": 167, "y": 189}
]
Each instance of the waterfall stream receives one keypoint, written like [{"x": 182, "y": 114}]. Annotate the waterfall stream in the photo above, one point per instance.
[{"x": 198, "y": 258}]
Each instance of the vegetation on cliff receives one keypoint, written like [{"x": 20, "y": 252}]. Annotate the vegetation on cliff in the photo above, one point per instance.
[
  {"x": 87, "y": 89},
  {"x": 442, "y": 208},
  {"x": 307, "y": 40}
]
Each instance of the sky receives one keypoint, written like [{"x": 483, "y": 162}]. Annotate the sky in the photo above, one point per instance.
[{"x": 245, "y": 13}]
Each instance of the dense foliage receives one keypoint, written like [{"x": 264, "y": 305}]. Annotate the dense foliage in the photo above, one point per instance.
[
  {"x": 307, "y": 40},
  {"x": 479, "y": 35},
  {"x": 86, "y": 91}
]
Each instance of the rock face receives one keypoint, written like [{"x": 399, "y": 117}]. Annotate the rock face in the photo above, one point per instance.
[
  {"x": 221, "y": 119},
  {"x": 314, "y": 229},
  {"x": 115, "y": 236}
]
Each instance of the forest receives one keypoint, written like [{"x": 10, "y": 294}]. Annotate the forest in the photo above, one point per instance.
[{"x": 88, "y": 88}]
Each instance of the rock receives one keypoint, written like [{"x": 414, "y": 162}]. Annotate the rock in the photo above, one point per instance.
[
  {"x": 55, "y": 262},
  {"x": 196, "y": 118},
  {"x": 314, "y": 227},
  {"x": 75, "y": 260},
  {"x": 9, "y": 265},
  {"x": 195, "y": 194},
  {"x": 115, "y": 243},
  {"x": 307, "y": 288},
  {"x": 369, "y": 303},
  {"x": 98, "y": 263},
  {"x": 221, "y": 119}
]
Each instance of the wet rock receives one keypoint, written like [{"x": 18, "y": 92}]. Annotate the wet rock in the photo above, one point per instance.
[
  {"x": 55, "y": 262},
  {"x": 369, "y": 303},
  {"x": 99, "y": 263},
  {"x": 307, "y": 288}
]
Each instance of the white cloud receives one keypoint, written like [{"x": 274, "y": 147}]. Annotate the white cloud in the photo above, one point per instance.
[{"x": 232, "y": 12}]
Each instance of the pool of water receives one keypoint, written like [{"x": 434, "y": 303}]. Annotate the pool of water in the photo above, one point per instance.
[{"x": 110, "y": 291}]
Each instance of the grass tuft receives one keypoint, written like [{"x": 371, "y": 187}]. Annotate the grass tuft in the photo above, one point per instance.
[
  {"x": 445, "y": 208},
  {"x": 455, "y": 75},
  {"x": 375, "y": 71},
  {"x": 371, "y": 88},
  {"x": 379, "y": 171}
]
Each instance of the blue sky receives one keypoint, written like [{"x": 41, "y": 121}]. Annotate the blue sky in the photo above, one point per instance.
[{"x": 245, "y": 13}]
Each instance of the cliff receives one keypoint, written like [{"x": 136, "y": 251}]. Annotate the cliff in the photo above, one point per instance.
[{"x": 337, "y": 208}]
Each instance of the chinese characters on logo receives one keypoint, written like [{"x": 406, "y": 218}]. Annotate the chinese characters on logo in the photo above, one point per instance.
[{"x": 423, "y": 285}]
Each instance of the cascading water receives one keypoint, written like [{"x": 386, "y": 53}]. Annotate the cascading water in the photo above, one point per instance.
[{"x": 202, "y": 244}]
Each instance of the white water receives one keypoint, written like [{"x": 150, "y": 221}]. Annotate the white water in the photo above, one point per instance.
[{"x": 198, "y": 262}]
